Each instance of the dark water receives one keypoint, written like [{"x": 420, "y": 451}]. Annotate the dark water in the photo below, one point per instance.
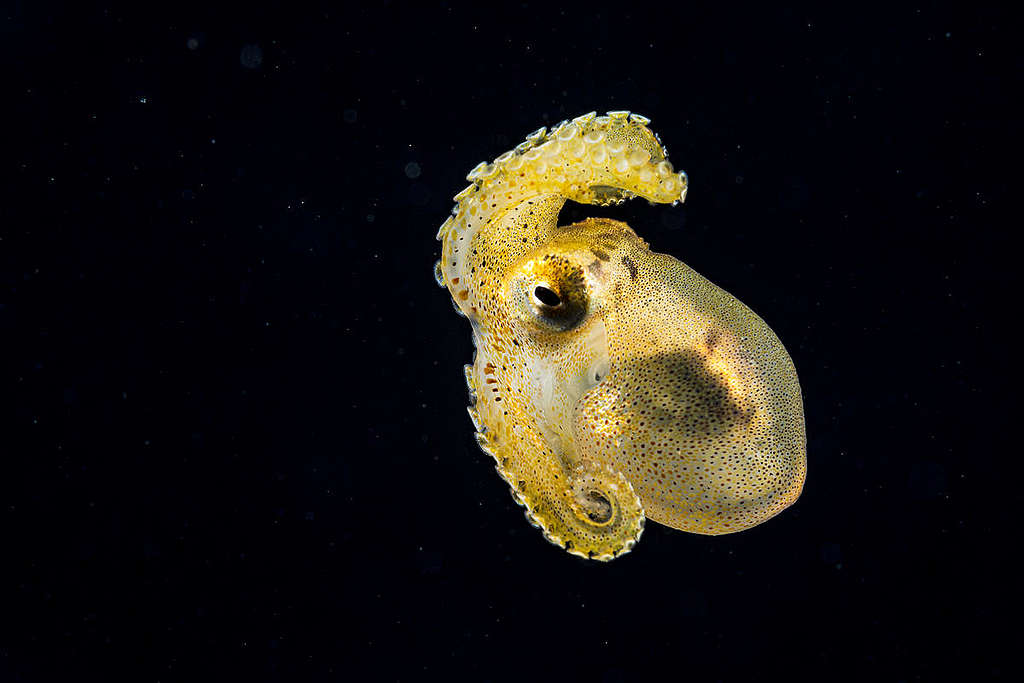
[{"x": 234, "y": 418}]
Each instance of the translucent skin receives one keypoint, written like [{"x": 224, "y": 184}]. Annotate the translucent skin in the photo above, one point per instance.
[{"x": 612, "y": 383}]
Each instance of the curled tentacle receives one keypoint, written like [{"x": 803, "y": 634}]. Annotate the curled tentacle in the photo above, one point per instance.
[
  {"x": 609, "y": 514},
  {"x": 591, "y": 510},
  {"x": 591, "y": 159}
]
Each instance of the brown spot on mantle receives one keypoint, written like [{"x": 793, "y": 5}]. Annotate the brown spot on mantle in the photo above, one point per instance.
[{"x": 631, "y": 266}]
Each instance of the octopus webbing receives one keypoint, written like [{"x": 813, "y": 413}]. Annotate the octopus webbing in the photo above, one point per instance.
[{"x": 612, "y": 383}]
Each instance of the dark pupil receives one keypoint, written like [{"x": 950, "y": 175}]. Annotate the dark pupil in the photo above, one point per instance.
[{"x": 546, "y": 296}]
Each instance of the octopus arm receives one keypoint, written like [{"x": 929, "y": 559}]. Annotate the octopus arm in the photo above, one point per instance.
[{"x": 513, "y": 202}]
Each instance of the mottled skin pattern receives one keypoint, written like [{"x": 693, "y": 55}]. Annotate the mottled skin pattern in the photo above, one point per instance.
[{"x": 612, "y": 383}]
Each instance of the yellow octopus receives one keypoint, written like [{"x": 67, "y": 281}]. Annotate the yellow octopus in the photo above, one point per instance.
[{"x": 612, "y": 383}]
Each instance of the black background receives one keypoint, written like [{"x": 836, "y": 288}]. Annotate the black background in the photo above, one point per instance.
[{"x": 234, "y": 427}]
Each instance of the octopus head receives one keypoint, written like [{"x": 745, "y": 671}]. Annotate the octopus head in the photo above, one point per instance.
[{"x": 661, "y": 395}]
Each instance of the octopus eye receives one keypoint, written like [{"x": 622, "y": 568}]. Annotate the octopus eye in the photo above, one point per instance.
[
  {"x": 550, "y": 293},
  {"x": 559, "y": 305}
]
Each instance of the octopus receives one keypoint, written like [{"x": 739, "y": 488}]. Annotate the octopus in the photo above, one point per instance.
[{"x": 611, "y": 383}]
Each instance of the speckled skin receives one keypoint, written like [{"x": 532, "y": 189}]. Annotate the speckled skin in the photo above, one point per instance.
[{"x": 612, "y": 383}]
